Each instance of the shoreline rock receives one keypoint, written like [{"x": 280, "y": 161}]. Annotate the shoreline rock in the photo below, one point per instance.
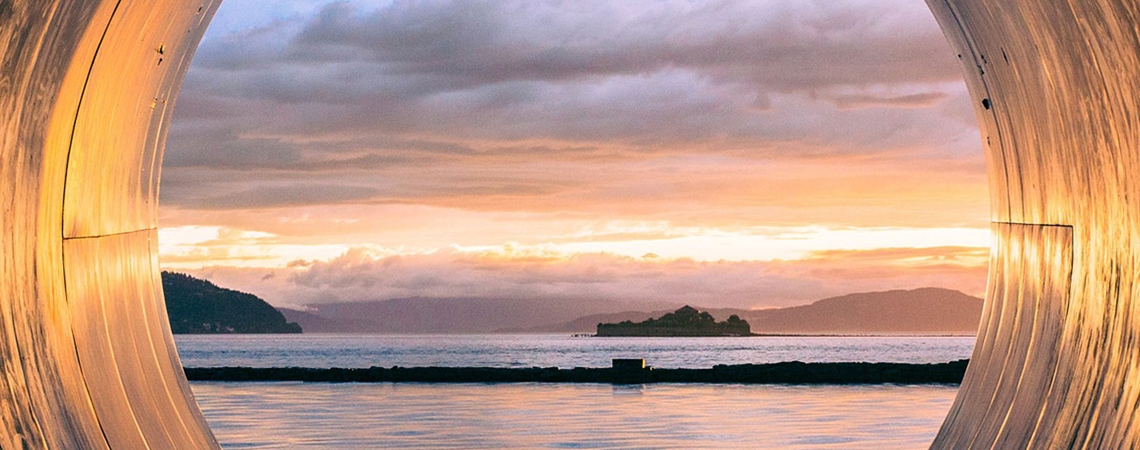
[{"x": 783, "y": 373}]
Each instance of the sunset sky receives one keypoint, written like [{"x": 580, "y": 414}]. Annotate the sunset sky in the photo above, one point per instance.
[{"x": 720, "y": 153}]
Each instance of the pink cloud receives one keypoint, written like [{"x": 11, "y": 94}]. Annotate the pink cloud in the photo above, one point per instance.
[{"x": 359, "y": 276}]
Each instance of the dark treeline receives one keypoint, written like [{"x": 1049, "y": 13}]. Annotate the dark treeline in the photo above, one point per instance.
[
  {"x": 197, "y": 306},
  {"x": 687, "y": 321}
]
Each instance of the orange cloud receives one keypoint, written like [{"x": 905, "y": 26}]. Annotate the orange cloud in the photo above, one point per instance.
[{"x": 360, "y": 275}]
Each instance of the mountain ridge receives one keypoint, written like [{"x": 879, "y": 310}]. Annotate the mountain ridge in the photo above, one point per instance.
[
  {"x": 915, "y": 311},
  {"x": 454, "y": 315},
  {"x": 902, "y": 312}
]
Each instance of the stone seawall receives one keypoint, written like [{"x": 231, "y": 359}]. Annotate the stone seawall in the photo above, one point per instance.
[{"x": 778, "y": 373}]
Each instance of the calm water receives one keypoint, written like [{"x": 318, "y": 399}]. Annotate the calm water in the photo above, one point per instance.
[
  {"x": 553, "y": 350},
  {"x": 471, "y": 416}
]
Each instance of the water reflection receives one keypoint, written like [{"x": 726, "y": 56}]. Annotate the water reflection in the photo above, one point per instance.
[{"x": 469, "y": 416}]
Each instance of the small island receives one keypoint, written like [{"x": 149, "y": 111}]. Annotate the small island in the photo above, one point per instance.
[{"x": 684, "y": 322}]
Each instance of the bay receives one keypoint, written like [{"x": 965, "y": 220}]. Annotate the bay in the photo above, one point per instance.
[{"x": 539, "y": 415}]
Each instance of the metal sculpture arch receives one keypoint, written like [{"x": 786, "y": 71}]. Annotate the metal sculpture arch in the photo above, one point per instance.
[{"x": 86, "y": 355}]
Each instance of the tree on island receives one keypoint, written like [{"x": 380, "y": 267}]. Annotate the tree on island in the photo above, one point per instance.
[{"x": 687, "y": 321}]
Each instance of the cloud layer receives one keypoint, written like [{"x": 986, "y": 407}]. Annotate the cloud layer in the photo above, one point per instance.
[
  {"x": 359, "y": 275},
  {"x": 426, "y": 125},
  {"x": 429, "y": 101}
]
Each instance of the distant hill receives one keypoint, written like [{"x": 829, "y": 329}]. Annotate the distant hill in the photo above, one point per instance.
[
  {"x": 918, "y": 311},
  {"x": 450, "y": 315},
  {"x": 197, "y": 306},
  {"x": 315, "y": 323},
  {"x": 588, "y": 324}
]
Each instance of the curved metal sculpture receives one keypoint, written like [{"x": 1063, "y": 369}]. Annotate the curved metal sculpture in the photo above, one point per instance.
[
  {"x": 86, "y": 90},
  {"x": 87, "y": 87},
  {"x": 1056, "y": 86}
]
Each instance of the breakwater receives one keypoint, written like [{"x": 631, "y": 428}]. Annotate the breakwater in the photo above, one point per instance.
[{"x": 778, "y": 373}]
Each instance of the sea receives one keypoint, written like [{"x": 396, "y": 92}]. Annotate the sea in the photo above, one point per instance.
[{"x": 577, "y": 416}]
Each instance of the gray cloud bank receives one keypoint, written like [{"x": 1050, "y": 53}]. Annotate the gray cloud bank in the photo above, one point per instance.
[
  {"x": 416, "y": 99},
  {"x": 359, "y": 276}
]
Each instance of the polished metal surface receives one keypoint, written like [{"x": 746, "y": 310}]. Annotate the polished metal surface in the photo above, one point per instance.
[
  {"x": 87, "y": 86},
  {"x": 1056, "y": 89},
  {"x": 86, "y": 91}
]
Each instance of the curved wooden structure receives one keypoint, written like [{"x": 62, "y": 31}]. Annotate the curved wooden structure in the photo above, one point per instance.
[{"x": 86, "y": 91}]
